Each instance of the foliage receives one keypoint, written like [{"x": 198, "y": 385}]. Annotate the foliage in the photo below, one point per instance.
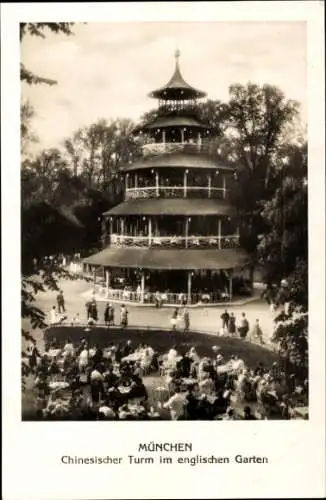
[
  {"x": 291, "y": 334},
  {"x": 284, "y": 245},
  {"x": 40, "y": 29},
  {"x": 283, "y": 252},
  {"x": 27, "y": 135},
  {"x": 46, "y": 278}
]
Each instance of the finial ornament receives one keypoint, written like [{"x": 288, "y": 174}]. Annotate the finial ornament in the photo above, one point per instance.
[{"x": 177, "y": 54}]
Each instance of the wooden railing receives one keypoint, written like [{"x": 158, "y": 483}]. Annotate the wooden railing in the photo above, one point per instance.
[
  {"x": 177, "y": 299},
  {"x": 175, "y": 192},
  {"x": 207, "y": 147},
  {"x": 219, "y": 242}
]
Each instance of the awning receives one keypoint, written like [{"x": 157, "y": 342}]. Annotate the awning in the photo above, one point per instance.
[
  {"x": 172, "y": 206},
  {"x": 176, "y": 160},
  {"x": 175, "y": 121},
  {"x": 150, "y": 258}
]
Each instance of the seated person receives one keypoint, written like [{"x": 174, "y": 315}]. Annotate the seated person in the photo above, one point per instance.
[
  {"x": 138, "y": 389},
  {"x": 110, "y": 378}
]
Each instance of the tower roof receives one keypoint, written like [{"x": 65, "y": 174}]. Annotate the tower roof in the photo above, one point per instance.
[{"x": 177, "y": 87}]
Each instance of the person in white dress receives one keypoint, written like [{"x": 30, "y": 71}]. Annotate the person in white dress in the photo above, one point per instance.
[
  {"x": 83, "y": 360},
  {"x": 176, "y": 405},
  {"x": 53, "y": 316}
]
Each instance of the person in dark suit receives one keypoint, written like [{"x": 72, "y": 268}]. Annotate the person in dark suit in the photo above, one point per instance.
[{"x": 225, "y": 319}]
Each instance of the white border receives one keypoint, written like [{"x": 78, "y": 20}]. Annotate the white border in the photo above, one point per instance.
[{"x": 32, "y": 451}]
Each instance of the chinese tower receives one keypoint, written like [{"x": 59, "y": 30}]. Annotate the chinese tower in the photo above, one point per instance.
[{"x": 176, "y": 233}]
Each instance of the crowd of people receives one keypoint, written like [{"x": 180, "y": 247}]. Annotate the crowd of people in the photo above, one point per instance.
[
  {"x": 180, "y": 319},
  {"x": 125, "y": 381}
]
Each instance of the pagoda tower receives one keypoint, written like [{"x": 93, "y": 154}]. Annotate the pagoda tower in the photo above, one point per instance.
[{"x": 175, "y": 234}]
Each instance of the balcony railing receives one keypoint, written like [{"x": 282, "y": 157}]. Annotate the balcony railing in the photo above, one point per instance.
[
  {"x": 218, "y": 242},
  {"x": 175, "y": 192},
  {"x": 166, "y": 298},
  {"x": 158, "y": 148}
]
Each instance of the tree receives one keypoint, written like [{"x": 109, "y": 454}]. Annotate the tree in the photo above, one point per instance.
[
  {"x": 39, "y": 29},
  {"x": 215, "y": 114},
  {"x": 283, "y": 252},
  {"x": 257, "y": 118},
  {"x": 98, "y": 150},
  {"x": 27, "y": 135},
  {"x": 285, "y": 241},
  {"x": 46, "y": 276}
]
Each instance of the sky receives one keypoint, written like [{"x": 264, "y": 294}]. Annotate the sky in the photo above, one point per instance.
[{"x": 106, "y": 70}]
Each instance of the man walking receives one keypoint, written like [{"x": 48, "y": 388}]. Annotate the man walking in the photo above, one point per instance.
[
  {"x": 225, "y": 317},
  {"x": 244, "y": 327},
  {"x": 61, "y": 302}
]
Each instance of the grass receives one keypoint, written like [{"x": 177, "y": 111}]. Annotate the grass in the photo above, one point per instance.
[{"x": 163, "y": 340}]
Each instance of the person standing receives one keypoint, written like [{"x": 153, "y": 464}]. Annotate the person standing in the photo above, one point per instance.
[
  {"x": 257, "y": 332},
  {"x": 225, "y": 317},
  {"x": 53, "y": 316},
  {"x": 93, "y": 310},
  {"x": 111, "y": 315},
  {"x": 107, "y": 315},
  {"x": 174, "y": 319},
  {"x": 123, "y": 316},
  {"x": 243, "y": 327},
  {"x": 88, "y": 309},
  {"x": 231, "y": 325},
  {"x": 61, "y": 302},
  {"x": 186, "y": 319},
  {"x": 34, "y": 356}
]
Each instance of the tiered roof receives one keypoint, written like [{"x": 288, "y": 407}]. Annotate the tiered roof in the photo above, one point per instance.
[{"x": 177, "y": 88}]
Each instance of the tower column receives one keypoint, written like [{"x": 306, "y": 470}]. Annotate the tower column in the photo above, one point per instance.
[
  {"x": 224, "y": 186},
  {"x": 187, "y": 232},
  {"x": 230, "y": 284},
  {"x": 111, "y": 226},
  {"x": 149, "y": 231},
  {"x": 185, "y": 184},
  {"x": 104, "y": 233},
  {"x": 157, "y": 184},
  {"x": 94, "y": 279},
  {"x": 127, "y": 179},
  {"x": 142, "y": 287},
  {"x": 136, "y": 181},
  {"x": 163, "y": 136},
  {"x": 182, "y": 136},
  {"x": 189, "y": 287},
  {"x": 107, "y": 282},
  {"x": 122, "y": 226},
  {"x": 209, "y": 185},
  {"x": 219, "y": 234}
]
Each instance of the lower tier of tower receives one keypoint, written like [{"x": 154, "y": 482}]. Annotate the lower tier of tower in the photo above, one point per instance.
[{"x": 170, "y": 277}]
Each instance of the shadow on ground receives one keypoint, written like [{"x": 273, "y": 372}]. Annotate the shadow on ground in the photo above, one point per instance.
[{"x": 162, "y": 341}]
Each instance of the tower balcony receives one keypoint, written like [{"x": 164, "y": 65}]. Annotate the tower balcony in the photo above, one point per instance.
[
  {"x": 159, "y": 148},
  {"x": 193, "y": 241},
  {"x": 176, "y": 192}
]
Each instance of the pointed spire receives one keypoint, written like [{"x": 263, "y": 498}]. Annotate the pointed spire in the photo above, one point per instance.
[{"x": 176, "y": 85}]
